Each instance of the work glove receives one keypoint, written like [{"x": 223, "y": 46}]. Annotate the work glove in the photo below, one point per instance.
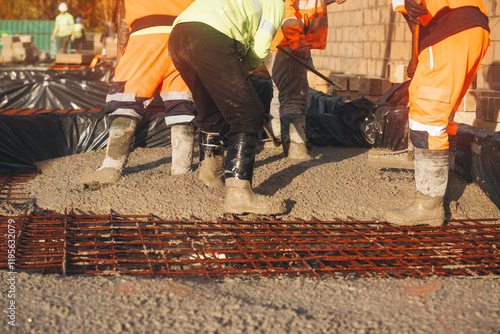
[
  {"x": 302, "y": 52},
  {"x": 52, "y": 38},
  {"x": 415, "y": 10},
  {"x": 72, "y": 38}
]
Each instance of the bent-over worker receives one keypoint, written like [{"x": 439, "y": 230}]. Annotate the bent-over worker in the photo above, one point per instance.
[{"x": 215, "y": 44}]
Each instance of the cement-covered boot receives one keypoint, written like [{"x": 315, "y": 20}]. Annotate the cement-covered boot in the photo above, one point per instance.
[
  {"x": 211, "y": 170},
  {"x": 275, "y": 127},
  {"x": 121, "y": 137},
  {"x": 182, "y": 139},
  {"x": 240, "y": 198},
  {"x": 295, "y": 146},
  {"x": 431, "y": 178}
]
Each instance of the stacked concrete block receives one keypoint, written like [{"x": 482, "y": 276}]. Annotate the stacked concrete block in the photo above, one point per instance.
[
  {"x": 18, "y": 49},
  {"x": 349, "y": 83}
]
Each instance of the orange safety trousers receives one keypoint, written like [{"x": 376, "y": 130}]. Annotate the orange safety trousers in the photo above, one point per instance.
[
  {"x": 146, "y": 65},
  {"x": 441, "y": 80}
]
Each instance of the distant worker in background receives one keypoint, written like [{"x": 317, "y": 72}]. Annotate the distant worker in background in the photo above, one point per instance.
[
  {"x": 78, "y": 35},
  {"x": 215, "y": 45},
  {"x": 63, "y": 26},
  {"x": 453, "y": 39},
  {"x": 145, "y": 67},
  {"x": 304, "y": 28}
]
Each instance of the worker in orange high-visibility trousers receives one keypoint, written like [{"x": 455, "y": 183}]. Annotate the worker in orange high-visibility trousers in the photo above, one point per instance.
[
  {"x": 145, "y": 67},
  {"x": 453, "y": 39},
  {"x": 304, "y": 27}
]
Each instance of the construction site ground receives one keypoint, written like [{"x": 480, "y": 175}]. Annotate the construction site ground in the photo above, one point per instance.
[{"x": 338, "y": 183}]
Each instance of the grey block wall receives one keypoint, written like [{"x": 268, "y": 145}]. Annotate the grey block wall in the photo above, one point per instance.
[{"x": 366, "y": 39}]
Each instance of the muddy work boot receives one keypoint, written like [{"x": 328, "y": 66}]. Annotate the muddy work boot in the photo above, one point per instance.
[
  {"x": 121, "y": 136},
  {"x": 431, "y": 177},
  {"x": 240, "y": 199},
  {"x": 294, "y": 137},
  {"x": 211, "y": 170},
  {"x": 182, "y": 139}
]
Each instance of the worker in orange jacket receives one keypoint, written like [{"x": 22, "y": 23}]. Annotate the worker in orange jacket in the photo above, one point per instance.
[
  {"x": 453, "y": 39},
  {"x": 304, "y": 27},
  {"x": 144, "y": 68}
]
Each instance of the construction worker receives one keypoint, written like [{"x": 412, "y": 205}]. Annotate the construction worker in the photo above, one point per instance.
[
  {"x": 304, "y": 27},
  {"x": 453, "y": 39},
  {"x": 215, "y": 45},
  {"x": 144, "y": 67},
  {"x": 78, "y": 35},
  {"x": 63, "y": 26}
]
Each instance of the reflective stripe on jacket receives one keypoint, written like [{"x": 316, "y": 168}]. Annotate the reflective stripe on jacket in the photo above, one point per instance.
[
  {"x": 305, "y": 24},
  {"x": 251, "y": 22}
]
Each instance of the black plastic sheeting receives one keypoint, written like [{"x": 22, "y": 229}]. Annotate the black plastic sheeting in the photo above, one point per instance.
[
  {"x": 486, "y": 164},
  {"x": 27, "y": 139},
  {"x": 336, "y": 121},
  {"x": 39, "y": 88}
]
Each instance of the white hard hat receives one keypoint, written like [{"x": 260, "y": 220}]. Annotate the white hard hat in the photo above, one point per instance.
[{"x": 63, "y": 7}]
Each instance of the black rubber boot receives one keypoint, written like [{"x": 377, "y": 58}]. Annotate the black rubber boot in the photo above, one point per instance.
[
  {"x": 238, "y": 174},
  {"x": 211, "y": 168}
]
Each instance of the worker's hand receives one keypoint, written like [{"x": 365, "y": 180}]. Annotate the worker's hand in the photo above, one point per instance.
[
  {"x": 52, "y": 38},
  {"x": 72, "y": 38},
  {"x": 302, "y": 52},
  {"x": 415, "y": 10}
]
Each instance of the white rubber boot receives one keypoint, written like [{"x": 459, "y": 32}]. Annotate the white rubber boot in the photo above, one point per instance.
[
  {"x": 182, "y": 139},
  {"x": 431, "y": 177},
  {"x": 121, "y": 137},
  {"x": 298, "y": 149},
  {"x": 211, "y": 170}
]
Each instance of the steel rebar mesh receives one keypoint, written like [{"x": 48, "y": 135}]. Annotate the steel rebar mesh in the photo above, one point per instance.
[{"x": 112, "y": 244}]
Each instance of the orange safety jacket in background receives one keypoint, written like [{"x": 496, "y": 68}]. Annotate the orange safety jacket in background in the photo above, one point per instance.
[
  {"x": 305, "y": 24},
  {"x": 145, "y": 64}
]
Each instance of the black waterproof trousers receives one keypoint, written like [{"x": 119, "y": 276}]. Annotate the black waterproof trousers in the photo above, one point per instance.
[{"x": 210, "y": 64}]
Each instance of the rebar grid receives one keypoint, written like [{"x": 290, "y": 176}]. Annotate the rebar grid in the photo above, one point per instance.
[
  {"x": 132, "y": 244},
  {"x": 12, "y": 182}
]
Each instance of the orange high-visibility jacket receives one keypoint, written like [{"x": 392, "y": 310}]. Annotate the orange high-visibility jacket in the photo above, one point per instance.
[
  {"x": 434, "y": 6},
  {"x": 137, "y": 9},
  {"x": 305, "y": 23}
]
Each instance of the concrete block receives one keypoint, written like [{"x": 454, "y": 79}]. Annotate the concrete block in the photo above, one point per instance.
[
  {"x": 488, "y": 105},
  {"x": 341, "y": 79},
  {"x": 74, "y": 58},
  {"x": 493, "y": 76},
  {"x": 26, "y": 38},
  {"x": 397, "y": 73},
  {"x": 9, "y": 39},
  {"x": 370, "y": 86}
]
